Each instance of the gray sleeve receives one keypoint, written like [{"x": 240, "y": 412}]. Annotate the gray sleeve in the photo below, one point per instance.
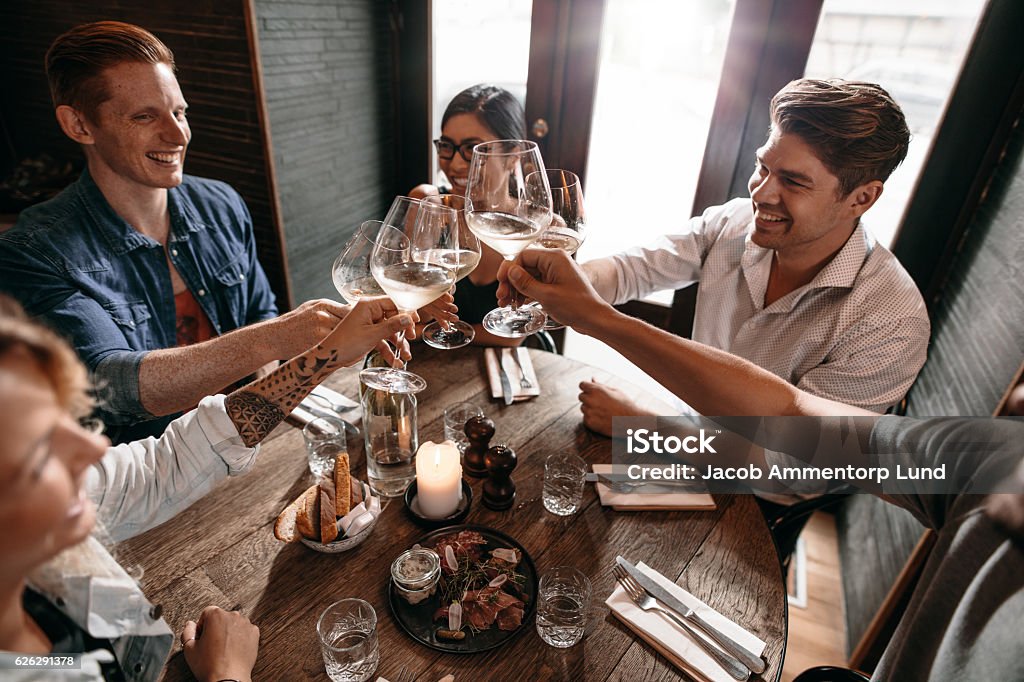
[{"x": 116, "y": 378}]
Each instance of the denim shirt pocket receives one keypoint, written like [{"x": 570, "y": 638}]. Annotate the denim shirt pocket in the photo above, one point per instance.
[
  {"x": 133, "y": 319},
  {"x": 230, "y": 279}
]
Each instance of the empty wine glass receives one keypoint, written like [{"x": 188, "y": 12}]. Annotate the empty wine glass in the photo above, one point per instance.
[
  {"x": 464, "y": 260},
  {"x": 568, "y": 226},
  {"x": 404, "y": 266},
  {"x": 351, "y": 270},
  {"x": 508, "y": 206}
]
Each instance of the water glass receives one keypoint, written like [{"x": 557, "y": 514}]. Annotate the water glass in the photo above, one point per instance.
[
  {"x": 348, "y": 640},
  {"x": 563, "y": 597},
  {"x": 325, "y": 440},
  {"x": 564, "y": 475},
  {"x": 455, "y": 418}
]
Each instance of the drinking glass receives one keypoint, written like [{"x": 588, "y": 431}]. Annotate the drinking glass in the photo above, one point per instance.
[
  {"x": 391, "y": 436},
  {"x": 348, "y": 640},
  {"x": 455, "y": 418},
  {"x": 568, "y": 226},
  {"x": 405, "y": 264},
  {"x": 563, "y": 598},
  {"x": 465, "y": 260},
  {"x": 564, "y": 474},
  {"x": 325, "y": 440},
  {"x": 351, "y": 270},
  {"x": 508, "y": 206}
]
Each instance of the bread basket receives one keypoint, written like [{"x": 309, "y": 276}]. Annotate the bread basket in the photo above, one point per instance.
[{"x": 344, "y": 543}]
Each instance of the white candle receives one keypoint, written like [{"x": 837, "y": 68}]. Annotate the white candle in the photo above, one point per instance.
[{"x": 438, "y": 479}]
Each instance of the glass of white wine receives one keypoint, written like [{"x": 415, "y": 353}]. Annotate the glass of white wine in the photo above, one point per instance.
[
  {"x": 568, "y": 228},
  {"x": 508, "y": 206},
  {"x": 404, "y": 264},
  {"x": 464, "y": 260},
  {"x": 351, "y": 270}
]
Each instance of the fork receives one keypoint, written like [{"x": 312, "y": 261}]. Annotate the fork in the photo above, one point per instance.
[
  {"x": 639, "y": 596},
  {"x": 524, "y": 382},
  {"x": 340, "y": 408}
]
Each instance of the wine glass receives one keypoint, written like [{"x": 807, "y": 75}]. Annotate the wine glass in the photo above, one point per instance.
[
  {"x": 467, "y": 257},
  {"x": 351, "y": 270},
  {"x": 568, "y": 226},
  {"x": 508, "y": 206},
  {"x": 403, "y": 263}
]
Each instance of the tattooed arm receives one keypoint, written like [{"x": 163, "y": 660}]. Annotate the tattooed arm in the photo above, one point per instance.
[{"x": 257, "y": 408}]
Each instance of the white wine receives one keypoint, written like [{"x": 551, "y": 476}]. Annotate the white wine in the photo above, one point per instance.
[
  {"x": 507, "y": 234},
  {"x": 359, "y": 289},
  {"x": 462, "y": 261},
  {"x": 412, "y": 285},
  {"x": 559, "y": 240}
]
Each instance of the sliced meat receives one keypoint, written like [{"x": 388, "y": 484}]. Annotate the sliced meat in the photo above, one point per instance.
[{"x": 510, "y": 618}]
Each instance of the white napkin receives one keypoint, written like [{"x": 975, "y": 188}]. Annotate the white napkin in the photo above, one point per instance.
[
  {"x": 640, "y": 501},
  {"x": 670, "y": 640},
  {"x": 491, "y": 356},
  {"x": 361, "y": 515}
]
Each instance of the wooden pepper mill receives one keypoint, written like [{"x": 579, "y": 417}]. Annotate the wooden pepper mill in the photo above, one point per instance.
[
  {"x": 479, "y": 431},
  {"x": 500, "y": 489}
]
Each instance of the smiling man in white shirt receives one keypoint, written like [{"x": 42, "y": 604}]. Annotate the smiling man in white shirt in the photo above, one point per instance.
[{"x": 790, "y": 279}]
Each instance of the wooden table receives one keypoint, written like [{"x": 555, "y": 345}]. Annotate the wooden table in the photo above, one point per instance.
[{"x": 222, "y": 550}]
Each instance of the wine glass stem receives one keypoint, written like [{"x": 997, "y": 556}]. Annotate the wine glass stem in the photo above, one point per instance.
[{"x": 514, "y": 305}]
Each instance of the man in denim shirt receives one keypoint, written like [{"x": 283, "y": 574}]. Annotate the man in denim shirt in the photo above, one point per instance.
[{"x": 141, "y": 267}]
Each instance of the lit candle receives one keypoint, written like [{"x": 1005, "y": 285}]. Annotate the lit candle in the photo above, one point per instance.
[{"x": 438, "y": 479}]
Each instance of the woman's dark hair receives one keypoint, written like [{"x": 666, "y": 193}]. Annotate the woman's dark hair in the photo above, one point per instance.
[{"x": 498, "y": 109}]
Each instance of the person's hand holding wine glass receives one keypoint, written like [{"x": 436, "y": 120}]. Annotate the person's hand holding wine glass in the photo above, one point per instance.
[
  {"x": 405, "y": 264},
  {"x": 508, "y": 206}
]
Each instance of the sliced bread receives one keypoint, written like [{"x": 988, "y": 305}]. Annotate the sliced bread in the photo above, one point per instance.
[
  {"x": 307, "y": 520},
  {"x": 343, "y": 484},
  {"x": 328, "y": 519},
  {"x": 284, "y": 527}
]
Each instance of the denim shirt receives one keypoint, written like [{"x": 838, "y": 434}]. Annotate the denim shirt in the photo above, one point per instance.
[
  {"x": 135, "y": 487},
  {"x": 106, "y": 287}
]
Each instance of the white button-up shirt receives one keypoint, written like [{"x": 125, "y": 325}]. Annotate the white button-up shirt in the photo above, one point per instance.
[{"x": 857, "y": 333}]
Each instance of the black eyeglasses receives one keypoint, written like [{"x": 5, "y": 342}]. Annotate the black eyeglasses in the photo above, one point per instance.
[{"x": 446, "y": 149}]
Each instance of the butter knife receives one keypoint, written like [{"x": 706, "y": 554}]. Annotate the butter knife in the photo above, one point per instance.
[
  {"x": 755, "y": 663},
  {"x": 506, "y": 384}
]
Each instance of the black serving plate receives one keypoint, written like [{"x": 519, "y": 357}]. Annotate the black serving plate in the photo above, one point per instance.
[
  {"x": 416, "y": 620},
  {"x": 458, "y": 516}
]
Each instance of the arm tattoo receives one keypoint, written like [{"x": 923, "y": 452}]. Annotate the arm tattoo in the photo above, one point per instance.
[
  {"x": 259, "y": 407},
  {"x": 254, "y": 416}
]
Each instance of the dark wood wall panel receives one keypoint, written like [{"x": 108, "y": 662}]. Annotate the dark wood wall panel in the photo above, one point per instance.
[
  {"x": 327, "y": 78},
  {"x": 978, "y": 321},
  {"x": 218, "y": 77}
]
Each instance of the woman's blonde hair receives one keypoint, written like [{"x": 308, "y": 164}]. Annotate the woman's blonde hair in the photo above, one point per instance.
[{"x": 54, "y": 357}]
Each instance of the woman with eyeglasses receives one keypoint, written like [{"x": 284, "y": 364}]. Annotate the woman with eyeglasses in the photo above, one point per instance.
[{"x": 480, "y": 113}]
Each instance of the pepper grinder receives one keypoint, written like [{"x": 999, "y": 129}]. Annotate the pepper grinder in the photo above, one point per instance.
[
  {"x": 479, "y": 430},
  {"x": 500, "y": 489}
]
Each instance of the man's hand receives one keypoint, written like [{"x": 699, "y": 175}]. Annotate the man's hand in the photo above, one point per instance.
[
  {"x": 307, "y": 325},
  {"x": 599, "y": 403},
  {"x": 221, "y": 646},
  {"x": 368, "y": 326},
  {"x": 557, "y": 282}
]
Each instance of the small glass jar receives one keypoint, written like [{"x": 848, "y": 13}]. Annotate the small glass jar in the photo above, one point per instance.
[{"x": 415, "y": 573}]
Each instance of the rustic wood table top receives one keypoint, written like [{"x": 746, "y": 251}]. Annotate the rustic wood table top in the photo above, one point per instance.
[{"x": 222, "y": 550}]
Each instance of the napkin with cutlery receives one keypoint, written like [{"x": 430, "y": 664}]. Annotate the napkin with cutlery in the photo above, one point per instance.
[
  {"x": 638, "y": 500},
  {"x": 498, "y": 359},
  {"x": 670, "y": 640},
  {"x": 326, "y": 401}
]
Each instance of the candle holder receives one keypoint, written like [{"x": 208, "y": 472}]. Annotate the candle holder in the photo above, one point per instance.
[
  {"x": 458, "y": 516},
  {"x": 479, "y": 431}
]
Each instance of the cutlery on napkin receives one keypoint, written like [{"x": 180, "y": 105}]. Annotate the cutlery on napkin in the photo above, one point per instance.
[
  {"x": 494, "y": 356},
  {"x": 671, "y": 641},
  {"x": 638, "y": 500}
]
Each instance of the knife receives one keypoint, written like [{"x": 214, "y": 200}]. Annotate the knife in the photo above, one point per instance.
[
  {"x": 506, "y": 384},
  {"x": 752, "y": 661}
]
